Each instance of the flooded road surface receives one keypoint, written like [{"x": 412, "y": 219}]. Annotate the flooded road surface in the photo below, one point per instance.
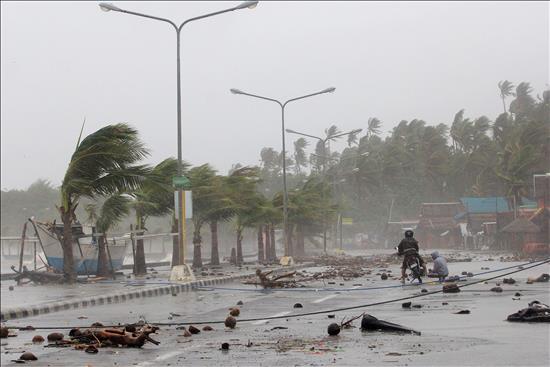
[{"x": 481, "y": 338}]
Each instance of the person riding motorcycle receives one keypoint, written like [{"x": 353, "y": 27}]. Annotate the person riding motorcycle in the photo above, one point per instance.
[{"x": 408, "y": 247}]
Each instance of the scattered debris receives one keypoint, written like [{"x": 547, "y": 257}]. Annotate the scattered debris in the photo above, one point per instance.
[
  {"x": 234, "y": 311},
  {"x": 451, "y": 288},
  {"x": 11, "y": 288},
  {"x": 508, "y": 281},
  {"x": 496, "y": 289},
  {"x": 38, "y": 339},
  {"x": 194, "y": 330},
  {"x": 517, "y": 294},
  {"x": 230, "y": 322},
  {"x": 535, "y": 312},
  {"x": 91, "y": 349},
  {"x": 27, "y": 328},
  {"x": 225, "y": 346},
  {"x": 298, "y": 305},
  {"x": 333, "y": 329},
  {"x": 186, "y": 333},
  {"x": 370, "y": 322},
  {"x": 4, "y": 332},
  {"x": 463, "y": 312},
  {"x": 540, "y": 279},
  {"x": 53, "y": 337},
  {"x": 406, "y": 305},
  {"x": 417, "y": 306},
  {"x": 444, "y": 303},
  {"x": 279, "y": 328},
  {"x": 424, "y": 290},
  {"x": 28, "y": 356},
  {"x": 207, "y": 328},
  {"x": 470, "y": 274},
  {"x": 331, "y": 316},
  {"x": 384, "y": 276},
  {"x": 240, "y": 303}
]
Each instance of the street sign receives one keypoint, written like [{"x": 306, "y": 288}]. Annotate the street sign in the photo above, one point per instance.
[
  {"x": 181, "y": 182},
  {"x": 347, "y": 221}
]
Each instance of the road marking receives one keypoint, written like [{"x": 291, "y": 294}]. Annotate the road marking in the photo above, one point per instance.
[
  {"x": 276, "y": 315},
  {"x": 330, "y": 296},
  {"x": 168, "y": 356}
]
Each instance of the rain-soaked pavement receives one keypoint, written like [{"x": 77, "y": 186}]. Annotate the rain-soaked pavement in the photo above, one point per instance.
[{"x": 482, "y": 337}]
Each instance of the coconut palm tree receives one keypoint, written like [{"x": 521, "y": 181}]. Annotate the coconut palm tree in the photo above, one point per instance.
[
  {"x": 300, "y": 157},
  {"x": 105, "y": 217},
  {"x": 103, "y": 164},
  {"x": 155, "y": 198},
  {"x": 242, "y": 186},
  {"x": 506, "y": 89}
]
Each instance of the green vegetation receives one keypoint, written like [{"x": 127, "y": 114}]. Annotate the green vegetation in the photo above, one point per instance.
[{"x": 415, "y": 163}]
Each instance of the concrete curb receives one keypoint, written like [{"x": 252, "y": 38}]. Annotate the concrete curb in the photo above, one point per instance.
[{"x": 41, "y": 309}]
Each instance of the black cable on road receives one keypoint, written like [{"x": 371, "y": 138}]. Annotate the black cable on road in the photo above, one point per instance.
[{"x": 301, "y": 314}]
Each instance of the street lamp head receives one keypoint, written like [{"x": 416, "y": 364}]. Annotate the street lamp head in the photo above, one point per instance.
[
  {"x": 247, "y": 4},
  {"x": 290, "y": 131},
  {"x": 108, "y": 7},
  {"x": 236, "y": 91},
  {"x": 328, "y": 90}
]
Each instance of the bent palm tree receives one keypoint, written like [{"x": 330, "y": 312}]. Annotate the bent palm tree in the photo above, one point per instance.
[
  {"x": 506, "y": 90},
  {"x": 101, "y": 165},
  {"x": 111, "y": 212}
]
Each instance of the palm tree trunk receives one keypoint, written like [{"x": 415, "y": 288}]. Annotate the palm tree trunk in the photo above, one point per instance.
[
  {"x": 273, "y": 243},
  {"x": 268, "y": 251},
  {"x": 67, "y": 246},
  {"x": 261, "y": 254},
  {"x": 214, "y": 256},
  {"x": 239, "y": 246},
  {"x": 102, "y": 260},
  {"x": 175, "y": 244},
  {"x": 197, "y": 255},
  {"x": 300, "y": 251},
  {"x": 503, "y": 104},
  {"x": 141, "y": 268},
  {"x": 290, "y": 244}
]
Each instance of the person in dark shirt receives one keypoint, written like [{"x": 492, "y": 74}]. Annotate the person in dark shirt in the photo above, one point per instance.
[{"x": 408, "y": 247}]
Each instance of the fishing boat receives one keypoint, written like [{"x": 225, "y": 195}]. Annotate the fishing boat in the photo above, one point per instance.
[{"x": 85, "y": 248}]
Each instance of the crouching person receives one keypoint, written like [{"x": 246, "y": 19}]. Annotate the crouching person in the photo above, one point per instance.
[{"x": 440, "y": 269}]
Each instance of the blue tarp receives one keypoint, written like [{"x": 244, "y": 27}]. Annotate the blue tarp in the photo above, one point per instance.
[{"x": 486, "y": 205}]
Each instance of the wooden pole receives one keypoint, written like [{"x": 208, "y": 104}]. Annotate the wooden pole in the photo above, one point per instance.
[
  {"x": 39, "y": 239},
  {"x": 22, "y": 249},
  {"x": 34, "y": 254},
  {"x": 82, "y": 258}
]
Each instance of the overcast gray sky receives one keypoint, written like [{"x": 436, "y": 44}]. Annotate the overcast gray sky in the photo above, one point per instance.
[{"x": 63, "y": 61}]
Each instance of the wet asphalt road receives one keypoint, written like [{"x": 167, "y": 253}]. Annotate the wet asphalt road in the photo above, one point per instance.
[{"x": 481, "y": 338}]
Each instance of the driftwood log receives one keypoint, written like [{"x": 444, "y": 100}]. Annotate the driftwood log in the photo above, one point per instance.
[{"x": 278, "y": 281}]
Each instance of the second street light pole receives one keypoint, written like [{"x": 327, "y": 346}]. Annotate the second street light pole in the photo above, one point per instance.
[
  {"x": 181, "y": 185},
  {"x": 288, "y": 254}
]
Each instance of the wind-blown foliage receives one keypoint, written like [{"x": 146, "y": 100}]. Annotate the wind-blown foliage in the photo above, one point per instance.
[{"x": 103, "y": 164}]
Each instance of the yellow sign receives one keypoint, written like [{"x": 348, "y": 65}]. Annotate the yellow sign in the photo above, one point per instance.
[{"x": 347, "y": 221}]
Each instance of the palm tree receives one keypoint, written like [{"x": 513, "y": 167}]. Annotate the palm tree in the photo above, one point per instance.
[
  {"x": 206, "y": 201},
  {"x": 155, "y": 198},
  {"x": 299, "y": 154},
  {"x": 242, "y": 185},
  {"x": 506, "y": 90},
  {"x": 222, "y": 211},
  {"x": 112, "y": 211},
  {"x": 103, "y": 164}
]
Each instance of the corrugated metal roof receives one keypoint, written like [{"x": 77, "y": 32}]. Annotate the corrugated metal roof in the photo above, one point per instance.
[{"x": 486, "y": 205}]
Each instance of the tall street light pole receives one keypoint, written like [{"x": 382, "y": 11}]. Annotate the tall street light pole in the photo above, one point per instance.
[
  {"x": 285, "y": 192},
  {"x": 181, "y": 217},
  {"x": 324, "y": 142}
]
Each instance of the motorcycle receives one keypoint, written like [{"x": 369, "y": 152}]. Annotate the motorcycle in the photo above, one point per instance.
[{"x": 413, "y": 265}]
